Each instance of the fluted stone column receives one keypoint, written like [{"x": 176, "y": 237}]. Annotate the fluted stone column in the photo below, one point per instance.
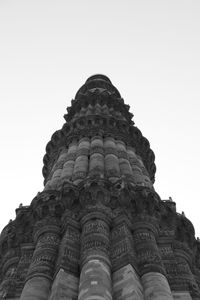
[
  {"x": 171, "y": 263},
  {"x": 65, "y": 284},
  {"x": 95, "y": 277},
  {"x": 139, "y": 172},
  {"x": 27, "y": 250},
  {"x": 150, "y": 264},
  {"x": 40, "y": 273},
  {"x": 81, "y": 162},
  {"x": 68, "y": 166},
  {"x": 112, "y": 170},
  {"x": 96, "y": 165},
  {"x": 186, "y": 280},
  {"x": 125, "y": 279},
  {"x": 9, "y": 283},
  {"x": 124, "y": 164}
]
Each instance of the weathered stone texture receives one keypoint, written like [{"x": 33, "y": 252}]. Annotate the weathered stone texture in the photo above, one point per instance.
[
  {"x": 65, "y": 286},
  {"x": 181, "y": 296},
  {"x": 99, "y": 230},
  {"x": 36, "y": 288},
  {"x": 95, "y": 281},
  {"x": 156, "y": 287},
  {"x": 127, "y": 284}
]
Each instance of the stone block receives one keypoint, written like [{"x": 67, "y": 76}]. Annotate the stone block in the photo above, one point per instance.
[
  {"x": 65, "y": 286},
  {"x": 126, "y": 284},
  {"x": 156, "y": 287},
  {"x": 181, "y": 296},
  {"x": 36, "y": 288},
  {"x": 95, "y": 281}
]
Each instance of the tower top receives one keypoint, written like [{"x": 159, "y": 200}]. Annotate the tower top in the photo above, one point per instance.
[
  {"x": 99, "y": 82},
  {"x": 99, "y": 111},
  {"x": 98, "y": 77}
]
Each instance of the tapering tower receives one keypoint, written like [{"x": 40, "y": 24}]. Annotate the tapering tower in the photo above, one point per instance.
[{"x": 99, "y": 230}]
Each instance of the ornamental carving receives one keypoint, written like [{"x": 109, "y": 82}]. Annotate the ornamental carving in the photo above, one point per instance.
[
  {"x": 94, "y": 193},
  {"x": 148, "y": 257},
  {"x": 96, "y": 226},
  {"x": 119, "y": 231},
  {"x": 99, "y": 205},
  {"x": 48, "y": 239},
  {"x": 69, "y": 195},
  {"x": 145, "y": 236},
  {"x": 69, "y": 248},
  {"x": 120, "y": 249},
  {"x": 166, "y": 252},
  {"x": 73, "y": 234},
  {"x": 185, "y": 231},
  {"x": 44, "y": 256}
]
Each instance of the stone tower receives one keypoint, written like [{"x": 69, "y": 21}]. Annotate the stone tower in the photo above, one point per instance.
[{"x": 99, "y": 230}]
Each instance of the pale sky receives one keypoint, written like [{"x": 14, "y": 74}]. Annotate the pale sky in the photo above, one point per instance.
[{"x": 151, "y": 52}]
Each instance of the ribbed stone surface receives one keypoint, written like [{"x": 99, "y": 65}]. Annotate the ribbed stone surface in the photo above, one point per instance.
[
  {"x": 124, "y": 164},
  {"x": 156, "y": 287},
  {"x": 55, "y": 178},
  {"x": 111, "y": 159},
  {"x": 96, "y": 164},
  {"x": 126, "y": 284},
  {"x": 81, "y": 162},
  {"x": 67, "y": 170},
  {"x": 97, "y": 156}
]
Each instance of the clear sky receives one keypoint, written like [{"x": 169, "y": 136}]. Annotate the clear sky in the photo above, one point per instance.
[{"x": 151, "y": 52}]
